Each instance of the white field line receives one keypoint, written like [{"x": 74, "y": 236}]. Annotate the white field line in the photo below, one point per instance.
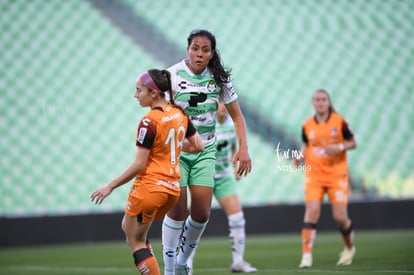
[{"x": 86, "y": 269}]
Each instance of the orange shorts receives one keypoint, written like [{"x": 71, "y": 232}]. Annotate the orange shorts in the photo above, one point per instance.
[
  {"x": 337, "y": 189},
  {"x": 149, "y": 205}
]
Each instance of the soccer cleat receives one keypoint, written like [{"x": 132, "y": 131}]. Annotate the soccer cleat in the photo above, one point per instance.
[
  {"x": 306, "y": 261},
  {"x": 242, "y": 267},
  {"x": 346, "y": 256},
  {"x": 182, "y": 270}
]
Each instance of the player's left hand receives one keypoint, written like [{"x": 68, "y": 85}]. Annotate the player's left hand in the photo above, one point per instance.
[
  {"x": 244, "y": 162},
  {"x": 236, "y": 176}
]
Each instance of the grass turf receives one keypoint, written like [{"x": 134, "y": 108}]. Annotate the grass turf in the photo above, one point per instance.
[{"x": 378, "y": 252}]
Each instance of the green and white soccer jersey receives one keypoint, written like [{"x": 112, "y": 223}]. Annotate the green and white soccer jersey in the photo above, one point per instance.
[
  {"x": 226, "y": 138},
  {"x": 199, "y": 95}
]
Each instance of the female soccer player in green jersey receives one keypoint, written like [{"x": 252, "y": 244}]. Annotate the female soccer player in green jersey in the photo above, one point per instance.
[{"x": 200, "y": 82}]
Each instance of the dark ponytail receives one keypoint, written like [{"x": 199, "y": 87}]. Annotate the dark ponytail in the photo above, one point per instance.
[
  {"x": 162, "y": 78},
  {"x": 221, "y": 75}
]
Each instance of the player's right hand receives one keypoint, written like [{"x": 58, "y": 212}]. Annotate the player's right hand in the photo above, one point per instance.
[{"x": 100, "y": 194}]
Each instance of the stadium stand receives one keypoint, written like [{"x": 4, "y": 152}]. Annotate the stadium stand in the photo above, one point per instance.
[
  {"x": 67, "y": 78},
  {"x": 67, "y": 105},
  {"x": 281, "y": 52}
]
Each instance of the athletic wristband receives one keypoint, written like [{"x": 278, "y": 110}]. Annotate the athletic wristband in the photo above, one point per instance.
[{"x": 341, "y": 147}]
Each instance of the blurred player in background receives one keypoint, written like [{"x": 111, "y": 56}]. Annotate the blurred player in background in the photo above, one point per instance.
[
  {"x": 326, "y": 137},
  {"x": 156, "y": 169},
  {"x": 225, "y": 190},
  {"x": 199, "y": 83}
]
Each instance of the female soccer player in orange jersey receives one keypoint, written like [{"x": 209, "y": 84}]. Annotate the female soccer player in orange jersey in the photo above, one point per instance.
[
  {"x": 326, "y": 137},
  {"x": 160, "y": 139}
]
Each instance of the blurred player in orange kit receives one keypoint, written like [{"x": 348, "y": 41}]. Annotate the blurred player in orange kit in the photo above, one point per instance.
[
  {"x": 161, "y": 136},
  {"x": 326, "y": 137}
]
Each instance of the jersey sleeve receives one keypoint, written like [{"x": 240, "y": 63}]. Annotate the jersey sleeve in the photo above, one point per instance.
[
  {"x": 146, "y": 133},
  {"x": 228, "y": 93},
  {"x": 191, "y": 130},
  {"x": 304, "y": 137},
  {"x": 346, "y": 131}
]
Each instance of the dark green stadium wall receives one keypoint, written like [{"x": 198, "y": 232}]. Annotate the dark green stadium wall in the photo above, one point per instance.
[{"x": 260, "y": 220}]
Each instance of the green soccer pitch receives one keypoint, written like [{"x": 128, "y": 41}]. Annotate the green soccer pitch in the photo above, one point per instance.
[{"x": 378, "y": 252}]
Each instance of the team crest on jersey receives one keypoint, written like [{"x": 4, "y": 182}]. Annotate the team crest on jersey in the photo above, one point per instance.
[
  {"x": 334, "y": 131},
  {"x": 211, "y": 86},
  {"x": 311, "y": 134}
]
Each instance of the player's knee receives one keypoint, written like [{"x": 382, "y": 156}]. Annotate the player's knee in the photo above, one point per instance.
[
  {"x": 236, "y": 220},
  {"x": 341, "y": 220},
  {"x": 177, "y": 213},
  {"x": 123, "y": 226},
  {"x": 201, "y": 217},
  {"x": 200, "y": 214},
  {"x": 312, "y": 214}
]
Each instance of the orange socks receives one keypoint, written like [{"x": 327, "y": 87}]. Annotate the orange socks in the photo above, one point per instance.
[
  {"x": 149, "y": 246},
  {"x": 348, "y": 236},
  {"x": 308, "y": 237},
  {"x": 145, "y": 262}
]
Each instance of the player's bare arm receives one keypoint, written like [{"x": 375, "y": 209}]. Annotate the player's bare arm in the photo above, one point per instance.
[
  {"x": 333, "y": 149},
  {"x": 242, "y": 156},
  {"x": 297, "y": 161},
  {"x": 193, "y": 144},
  {"x": 130, "y": 172}
]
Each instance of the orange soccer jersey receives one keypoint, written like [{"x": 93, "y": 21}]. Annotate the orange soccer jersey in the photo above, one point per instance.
[
  {"x": 327, "y": 173},
  {"x": 163, "y": 131},
  {"x": 316, "y": 137},
  {"x": 156, "y": 188}
]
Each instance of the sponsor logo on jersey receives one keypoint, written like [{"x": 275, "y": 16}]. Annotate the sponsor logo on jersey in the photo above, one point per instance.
[
  {"x": 195, "y": 110},
  {"x": 168, "y": 184},
  {"x": 311, "y": 134},
  {"x": 182, "y": 85},
  {"x": 141, "y": 135},
  {"x": 146, "y": 121},
  {"x": 171, "y": 117},
  {"x": 198, "y": 118}
]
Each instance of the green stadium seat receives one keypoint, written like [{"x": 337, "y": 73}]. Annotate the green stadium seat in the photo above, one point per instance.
[{"x": 70, "y": 118}]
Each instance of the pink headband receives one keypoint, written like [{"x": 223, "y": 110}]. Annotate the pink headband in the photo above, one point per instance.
[{"x": 147, "y": 81}]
